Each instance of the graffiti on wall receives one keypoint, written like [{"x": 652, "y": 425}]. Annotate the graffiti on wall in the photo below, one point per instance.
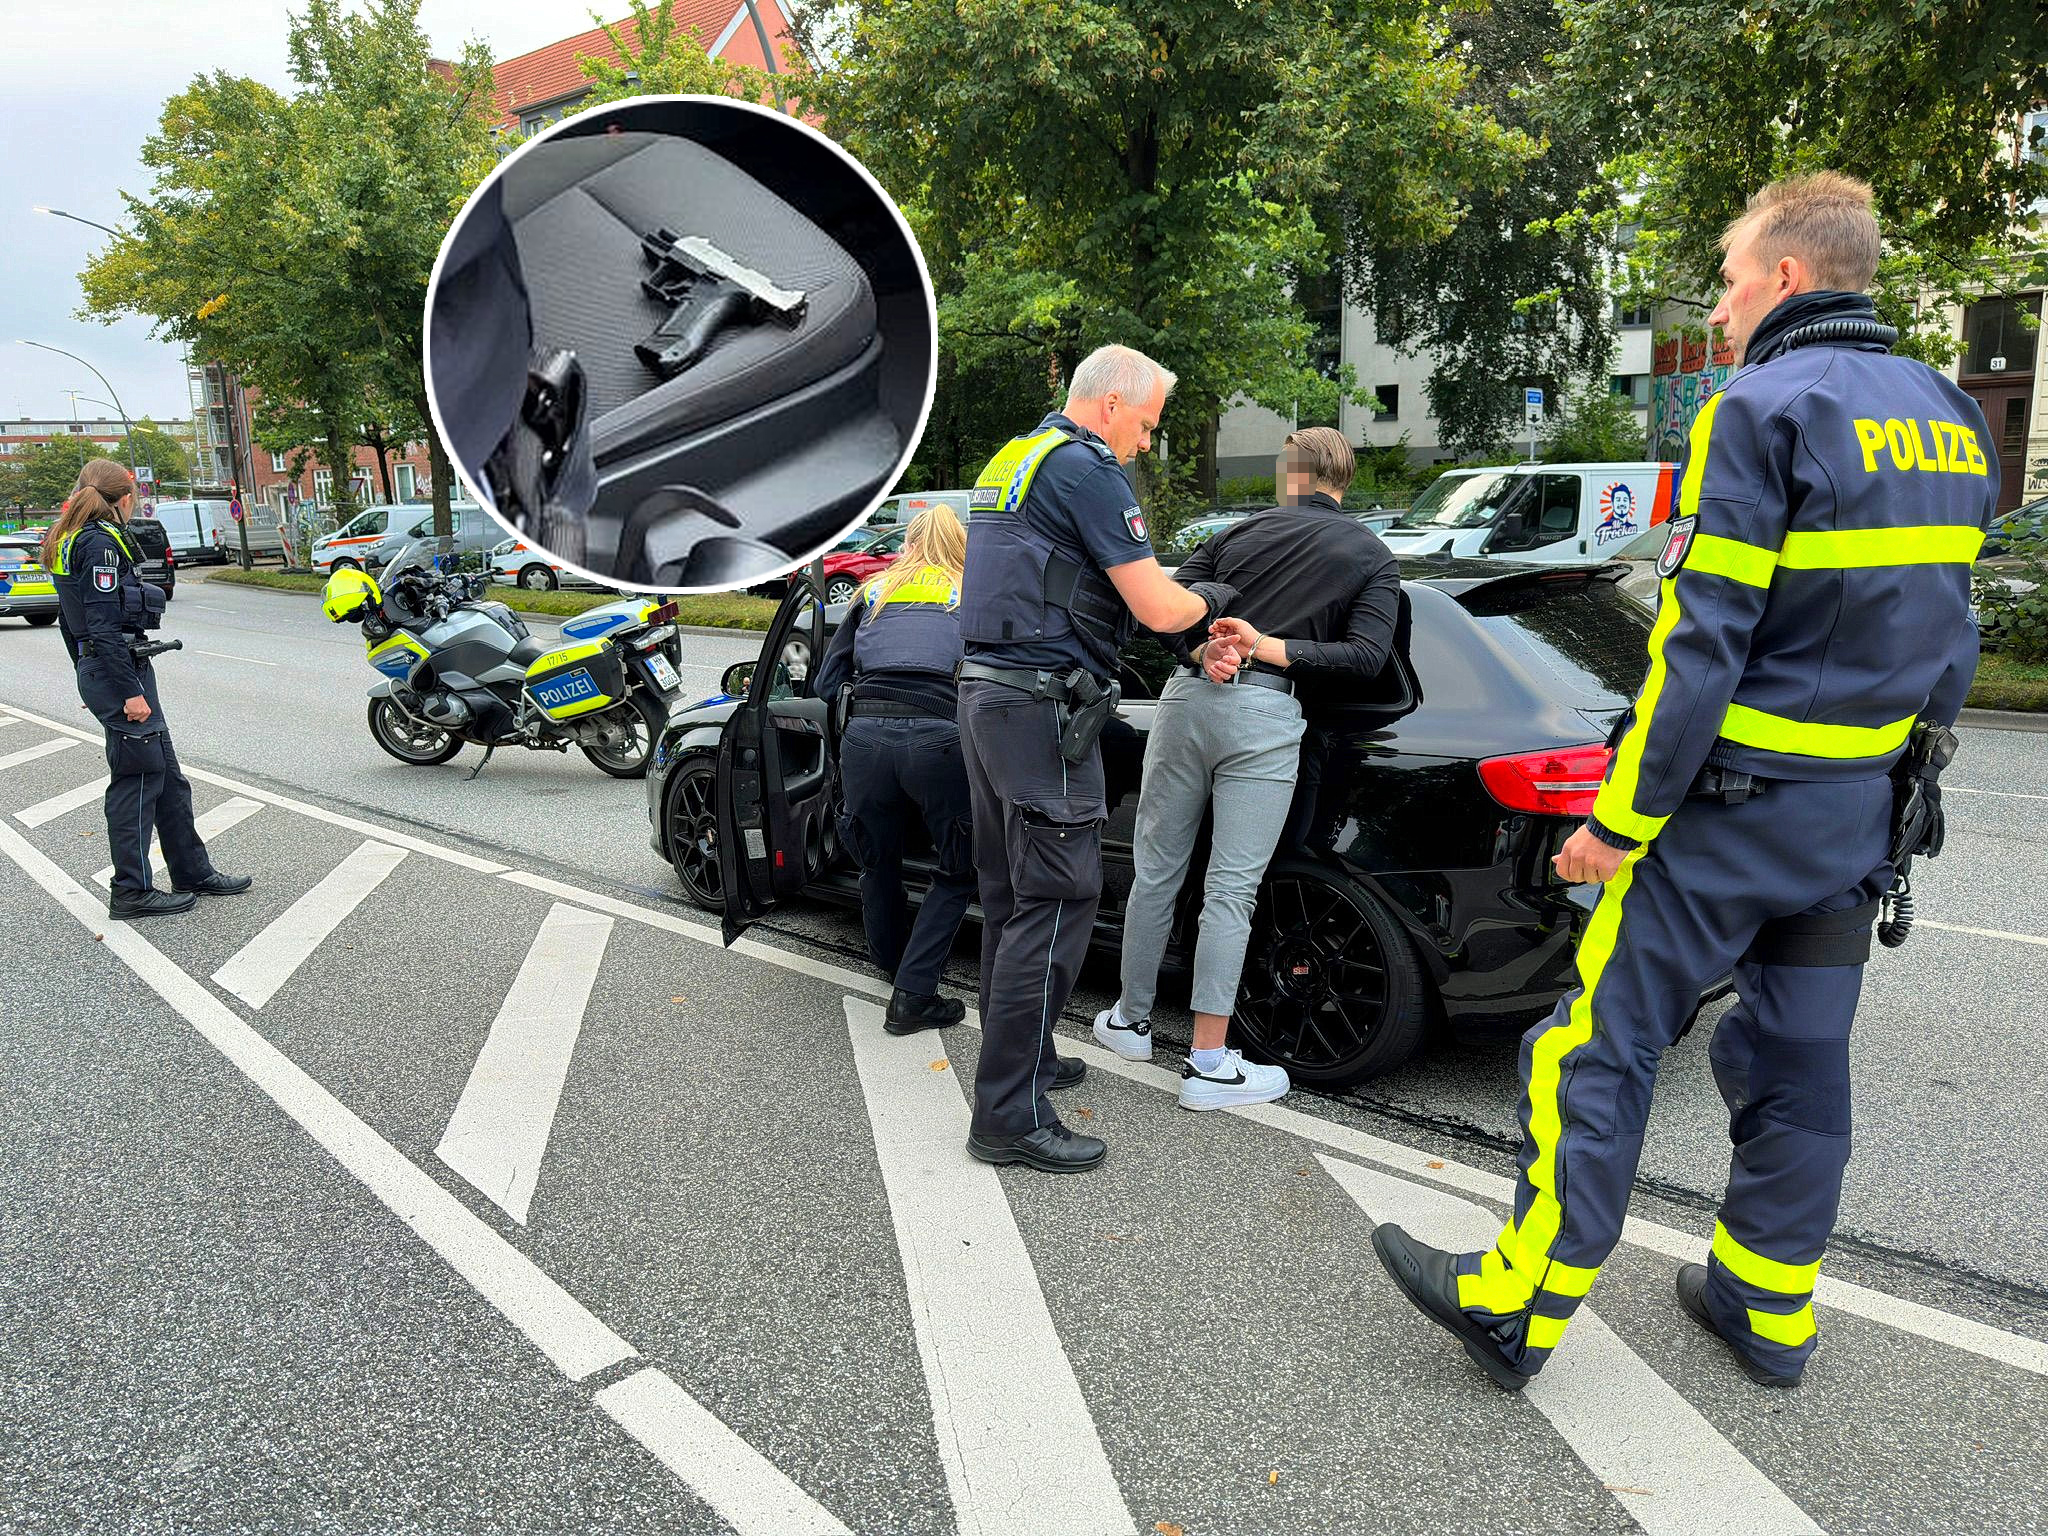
[{"x": 1685, "y": 369}]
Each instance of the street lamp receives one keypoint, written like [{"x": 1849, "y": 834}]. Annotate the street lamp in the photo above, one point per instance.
[
  {"x": 59, "y": 213},
  {"x": 127, "y": 429}
]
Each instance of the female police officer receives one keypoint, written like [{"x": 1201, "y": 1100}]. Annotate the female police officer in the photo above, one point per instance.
[
  {"x": 102, "y": 602},
  {"x": 901, "y": 755}
]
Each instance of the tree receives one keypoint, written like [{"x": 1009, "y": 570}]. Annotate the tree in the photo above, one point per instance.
[
  {"x": 1708, "y": 100},
  {"x": 664, "y": 59},
  {"x": 1147, "y": 172},
  {"x": 160, "y": 451},
  {"x": 1595, "y": 425},
  {"x": 1516, "y": 292}
]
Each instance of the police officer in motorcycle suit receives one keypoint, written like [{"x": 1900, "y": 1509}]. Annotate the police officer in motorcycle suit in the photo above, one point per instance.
[
  {"x": 1058, "y": 566},
  {"x": 104, "y": 607},
  {"x": 890, "y": 667},
  {"x": 1814, "y": 628}
]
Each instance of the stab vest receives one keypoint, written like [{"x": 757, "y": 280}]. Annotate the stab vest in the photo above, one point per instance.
[
  {"x": 1018, "y": 586},
  {"x": 916, "y": 628}
]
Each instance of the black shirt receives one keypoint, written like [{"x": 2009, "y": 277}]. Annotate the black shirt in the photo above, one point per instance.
[{"x": 1312, "y": 575}]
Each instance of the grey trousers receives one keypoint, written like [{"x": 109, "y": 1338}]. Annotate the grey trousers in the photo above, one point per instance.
[{"x": 1238, "y": 745}]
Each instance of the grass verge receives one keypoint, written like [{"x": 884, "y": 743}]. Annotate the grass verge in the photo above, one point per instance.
[
  {"x": 2003, "y": 683},
  {"x": 713, "y": 610}
]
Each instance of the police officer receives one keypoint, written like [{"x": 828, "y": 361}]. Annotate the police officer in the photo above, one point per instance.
[
  {"x": 900, "y": 756},
  {"x": 104, "y": 606},
  {"x": 1058, "y": 564},
  {"x": 1815, "y": 607}
]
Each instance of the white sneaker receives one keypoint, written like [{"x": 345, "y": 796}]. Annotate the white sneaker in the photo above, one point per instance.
[
  {"x": 1133, "y": 1042},
  {"x": 1235, "y": 1082}
]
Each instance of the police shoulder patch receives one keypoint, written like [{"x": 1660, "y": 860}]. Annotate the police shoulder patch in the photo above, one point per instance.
[
  {"x": 1134, "y": 519},
  {"x": 1676, "y": 547},
  {"x": 105, "y": 578}
]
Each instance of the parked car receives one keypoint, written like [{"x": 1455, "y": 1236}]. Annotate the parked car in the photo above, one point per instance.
[
  {"x": 1551, "y": 514},
  {"x": 26, "y": 590},
  {"x": 1414, "y": 874},
  {"x": 516, "y": 563},
  {"x": 204, "y": 528},
  {"x": 846, "y": 569},
  {"x": 898, "y": 510},
  {"x": 158, "y": 564},
  {"x": 2029, "y": 521},
  {"x": 1190, "y": 537},
  {"x": 474, "y": 529}
]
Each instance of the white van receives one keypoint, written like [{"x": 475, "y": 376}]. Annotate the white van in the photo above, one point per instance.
[
  {"x": 901, "y": 509},
  {"x": 198, "y": 530},
  {"x": 343, "y": 549},
  {"x": 1545, "y": 514}
]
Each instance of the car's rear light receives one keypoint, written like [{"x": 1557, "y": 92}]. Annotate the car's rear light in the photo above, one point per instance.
[{"x": 1560, "y": 782}]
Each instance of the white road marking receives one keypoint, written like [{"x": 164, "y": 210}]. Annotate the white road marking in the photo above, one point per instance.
[
  {"x": 214, "y": 822},
  {"x": 40, "y": 749},
  {"x": 58, "y": 805},
  {"x": 6, "y": 720},
  {"x": 748, "y": 1493},
  {"x": 1926, "y": 1322},
  {"x": 2010, "y": 794},
  {"x": 256, "y": 970},
  {"x": 230, "y": 656},
  {"x": 499, "y": 1131},
  {"x": 1014, "y": 1432},
  {"x": 1673, "y": 1472},
  {"x": 1982, "y": 933},
  {"x": 742, "y": 1485}
]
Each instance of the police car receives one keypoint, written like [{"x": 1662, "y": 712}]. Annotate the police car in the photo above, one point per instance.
[
  {"x": 26, "y": 590},
  {"x": 1413, "y": 880}
]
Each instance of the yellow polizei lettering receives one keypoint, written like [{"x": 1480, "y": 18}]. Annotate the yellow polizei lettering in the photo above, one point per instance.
[
  {"x": 1975, "y": 453},
  {"x": 1941, "y": 440},
  {"x": 1871, "y": 435},
  {"x": 1900, "y": 442},
  {"x": 1851, "y": 548},
  {"x": 1920, "y": 459},
  {"x": 1751, "y": 1267}
]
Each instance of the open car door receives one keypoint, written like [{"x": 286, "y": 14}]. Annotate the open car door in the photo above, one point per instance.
[{"x": 774, "y": 782}]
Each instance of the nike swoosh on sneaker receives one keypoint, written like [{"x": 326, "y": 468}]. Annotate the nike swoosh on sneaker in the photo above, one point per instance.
[{"x": 1223, "y": 1082}]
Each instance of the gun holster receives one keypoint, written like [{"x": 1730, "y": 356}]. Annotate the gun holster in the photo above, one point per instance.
[
  {"x": 1918, "y": 826},
  {"x": 1084, "y": 714}
]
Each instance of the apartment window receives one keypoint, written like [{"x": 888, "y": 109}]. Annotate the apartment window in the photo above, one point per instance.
[
  {"x": 277, "y": 463},
  {"x": 2034, "y": 136},
  {"x": 1635, "y": 386},
  {"x": 323, "y": 487},
  {"x": 404, "y": 478},
  {"x": 1389, "y": 397},
  {"x": 1631, "y": 317},
  {"x": 1997, "y": 339}
]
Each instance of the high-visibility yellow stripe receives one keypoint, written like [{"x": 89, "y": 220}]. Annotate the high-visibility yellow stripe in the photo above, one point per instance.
[
  {"x": 1543, "y": 1271},
  {"x": 1765, "y": 1274},
  {"x": 1615, "y": 806},
  {"x": 1533, "y": 1236},
  {"x": 1715, "y": 556},
  {"x": 1544, "y": 1332},
  {"x": 1788, "y": 1328},
  {"x": 1808, "y": 738},
  {"x": 1494, "y": 1289},
  {"x": 1856, "y": 548}
]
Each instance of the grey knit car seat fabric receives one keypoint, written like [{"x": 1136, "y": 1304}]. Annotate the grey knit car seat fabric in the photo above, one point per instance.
[{"x": 578, "y": 207}]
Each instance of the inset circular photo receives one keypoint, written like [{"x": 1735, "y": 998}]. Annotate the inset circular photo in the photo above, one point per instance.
[{"x": 680, "y": 342}]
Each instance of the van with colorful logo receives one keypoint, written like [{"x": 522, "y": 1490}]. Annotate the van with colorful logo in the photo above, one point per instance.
[{"x": 1544, "y": 514}]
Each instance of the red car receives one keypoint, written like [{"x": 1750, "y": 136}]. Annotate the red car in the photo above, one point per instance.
[{"x": 846, "y": 569}]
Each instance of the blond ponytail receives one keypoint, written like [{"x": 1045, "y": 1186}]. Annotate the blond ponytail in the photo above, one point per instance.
[{"x": 94, "y": 497}]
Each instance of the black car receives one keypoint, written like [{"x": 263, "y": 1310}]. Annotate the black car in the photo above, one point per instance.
[
  {"x": 158, "y": 566},
  {"x": 1414, "y": 876},
  {"x": 2022, "y": 525}
]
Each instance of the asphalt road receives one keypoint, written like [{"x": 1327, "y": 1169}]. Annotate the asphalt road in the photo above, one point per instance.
[{"x": 457, "y": 1179}]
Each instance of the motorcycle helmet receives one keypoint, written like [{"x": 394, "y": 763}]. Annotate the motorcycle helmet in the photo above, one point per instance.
[{"x": 349, "y": 595}]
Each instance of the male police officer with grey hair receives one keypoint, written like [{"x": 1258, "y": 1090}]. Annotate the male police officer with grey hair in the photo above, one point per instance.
[
  {"x": 1058, "y": 565},
  {"x": 1813, "y": 645}
]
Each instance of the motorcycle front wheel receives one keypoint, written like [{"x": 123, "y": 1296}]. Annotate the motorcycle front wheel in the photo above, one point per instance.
[
  {"x": 626, "y": 744},
  {"x": 410, "y": 740}
]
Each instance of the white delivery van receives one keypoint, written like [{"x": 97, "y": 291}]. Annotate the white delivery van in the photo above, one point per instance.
[
  {"x": 344, "y": 548},
  {"x": 1546, "y": 514},
  {"x": 194, "y": 528}
]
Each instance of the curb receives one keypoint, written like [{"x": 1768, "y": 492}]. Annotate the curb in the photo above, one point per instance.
[{"x": 2005, "y": 720}]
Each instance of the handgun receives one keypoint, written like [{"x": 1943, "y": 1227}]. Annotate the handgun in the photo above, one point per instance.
[{"x": 707, "y": 291}]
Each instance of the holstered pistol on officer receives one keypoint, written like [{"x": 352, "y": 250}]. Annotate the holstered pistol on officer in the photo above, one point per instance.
[
  {"x": 1085, "y": 713},
  {"x": 707, "y": 290},
  {"x": 1918, "y": 826}
]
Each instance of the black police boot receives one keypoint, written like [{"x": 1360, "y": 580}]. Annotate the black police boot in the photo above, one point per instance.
[
  {"x": 1429, "y": 1278},
  {"x": 1692, "y": 1295},
  {"x": 1067, "y": 1071},
  {"x": 1050, "y": 1149},
  {"x": 151, "y": 903},
  {"x": 911, "y": 1011},
  {"x": 218, "y": 884}
]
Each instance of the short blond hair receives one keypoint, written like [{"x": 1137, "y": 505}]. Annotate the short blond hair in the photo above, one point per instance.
[
  {"x": 1824, "y": 219},
  {"x": 1324, "y": 452}
]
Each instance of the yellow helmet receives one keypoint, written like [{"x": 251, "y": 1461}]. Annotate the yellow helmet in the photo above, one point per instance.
[{"x": 346, "y": 594}]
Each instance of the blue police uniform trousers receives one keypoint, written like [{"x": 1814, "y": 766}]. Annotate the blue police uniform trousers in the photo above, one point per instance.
[
  {"x": 146, "y": 790},
  {"x": 1681, "y": 913},
  {"x": 891, "y": 769},
  {"x": 1038, "y": 855}
]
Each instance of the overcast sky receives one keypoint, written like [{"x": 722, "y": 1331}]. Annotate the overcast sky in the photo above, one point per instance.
[{"x": 81, "y": 85}]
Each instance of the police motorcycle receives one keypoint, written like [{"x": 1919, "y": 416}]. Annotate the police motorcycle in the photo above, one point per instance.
[{"x": 460, "y": 670}]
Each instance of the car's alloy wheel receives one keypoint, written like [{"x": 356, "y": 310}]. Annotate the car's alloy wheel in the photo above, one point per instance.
[
  {"x": 693, "y": 831},
  {"x": 538, "y": 578},
  {"x": 840, "y": 589},
  {"x": 1331, "y": 989}
]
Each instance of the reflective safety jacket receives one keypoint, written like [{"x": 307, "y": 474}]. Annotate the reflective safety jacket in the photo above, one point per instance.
[
  {"x": 1816, "y": 580},
  {"x": 101, "y": 598},
  {"x": 915, "y": 628}
]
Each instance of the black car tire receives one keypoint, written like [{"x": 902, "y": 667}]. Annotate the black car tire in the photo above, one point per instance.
[
  {"x": 840, "y": 589},
  {"x": 1332, "y": 990},
  {"x": 690, "y": 826},
  {"x": 652, "y": 719},
  {"x": 40, "y": 619},
  {"x": 405, "y": 741},
  {"x": 538, "y": 578},
  {"x": 342, "y": 563}
]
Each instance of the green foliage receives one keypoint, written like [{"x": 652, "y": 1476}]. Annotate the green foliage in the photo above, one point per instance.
[
  {"x": 1708, "y": 100},
  {"x": 2003, "y": 683},
  {"x": 1245, "y": 491},
  {"x": 666, "y": 60},
  {"x": 1595, "y": 425},
  {"x": 2011, "y": 596},
  {"x": 1146, "y": 173},
  {"x": 42, "y": 474}
]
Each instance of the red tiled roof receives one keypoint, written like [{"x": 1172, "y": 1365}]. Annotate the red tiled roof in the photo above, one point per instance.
[{"x": 550, "y": 73}]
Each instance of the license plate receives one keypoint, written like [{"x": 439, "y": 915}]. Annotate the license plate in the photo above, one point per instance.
[{"x": 664, "y": 674}]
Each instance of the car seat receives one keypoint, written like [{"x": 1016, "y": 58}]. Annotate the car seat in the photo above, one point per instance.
[{"x": 759, "y": 451}]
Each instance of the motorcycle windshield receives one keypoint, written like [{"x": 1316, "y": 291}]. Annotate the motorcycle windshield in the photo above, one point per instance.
[{"x": 413, "y": 557}]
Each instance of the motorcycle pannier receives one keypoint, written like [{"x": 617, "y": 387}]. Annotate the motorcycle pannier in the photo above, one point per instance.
[{"x": 577, "y": 679}]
